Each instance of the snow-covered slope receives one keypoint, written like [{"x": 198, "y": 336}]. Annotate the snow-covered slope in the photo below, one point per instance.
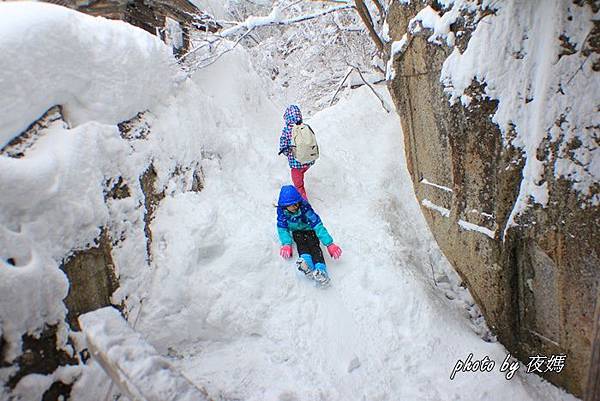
[
  {"x": 242, "y": 323},
  {"x": 218, "y": 300}
]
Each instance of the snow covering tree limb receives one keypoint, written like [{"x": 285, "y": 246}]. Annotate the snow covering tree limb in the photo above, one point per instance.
[
  {"x": 350, "y": 69},
  {"x": 275, "y": 18}
]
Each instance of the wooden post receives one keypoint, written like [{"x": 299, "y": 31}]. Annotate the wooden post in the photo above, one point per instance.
[{"x": 592, "y": 392}]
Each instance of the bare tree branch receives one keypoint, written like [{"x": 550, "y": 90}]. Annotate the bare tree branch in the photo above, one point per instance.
[
  {"x": 350, "y": 69},
  {"x": 212, "y": 59},
  {"x": 206, "y": 43},
  {"x": 385, "y": 106},
  {"x": 341, "y": 84},
  {"x": 318, "y": 14},
  {"x": 292, "y": 5}
]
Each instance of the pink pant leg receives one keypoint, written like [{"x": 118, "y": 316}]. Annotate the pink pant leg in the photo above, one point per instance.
[{"x": 298, "y": 180}]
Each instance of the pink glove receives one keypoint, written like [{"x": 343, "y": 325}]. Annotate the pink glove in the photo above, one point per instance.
[
  {"x": 334, "y": 251},
  {"x": 286, "y": 251}
]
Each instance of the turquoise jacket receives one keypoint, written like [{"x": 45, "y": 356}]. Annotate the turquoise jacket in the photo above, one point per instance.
[{"x": 304, "y": 219}]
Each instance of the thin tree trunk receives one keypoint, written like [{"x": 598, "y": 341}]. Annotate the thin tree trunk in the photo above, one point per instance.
[{"x": 364, "y": 14}]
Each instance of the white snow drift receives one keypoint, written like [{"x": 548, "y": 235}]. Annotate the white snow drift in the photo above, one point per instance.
[{"x": 98, "y": 69}]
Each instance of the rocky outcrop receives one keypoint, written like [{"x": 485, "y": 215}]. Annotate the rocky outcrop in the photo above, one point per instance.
[
  {"x": 536, "y": 280},
  {"x": 93, "y": 218},
  {"x": 151, "y": 200},
  {"x": 18, "y": 146},
  {"x": 92, "y": 279},
  {"x": 41, "y": 356},
  {"x": 92, "y": 273}
]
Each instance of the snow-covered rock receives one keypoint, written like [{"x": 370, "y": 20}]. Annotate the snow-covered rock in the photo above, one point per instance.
[
  {"x": 97, "y": 69},
  {"x": 499, "y": 103}
]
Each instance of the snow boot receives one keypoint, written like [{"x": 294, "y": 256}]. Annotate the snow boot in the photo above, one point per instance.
[
  {"x": 320, "y": 275},
  {"x": 305, "y": 264}
]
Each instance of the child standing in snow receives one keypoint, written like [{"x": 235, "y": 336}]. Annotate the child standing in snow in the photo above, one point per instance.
[
  {"x": 291, "y": 117},
  {"x": 297, "y": 220}
]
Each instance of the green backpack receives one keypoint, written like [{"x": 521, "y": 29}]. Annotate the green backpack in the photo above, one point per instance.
[{"x": 304, "y": 144}]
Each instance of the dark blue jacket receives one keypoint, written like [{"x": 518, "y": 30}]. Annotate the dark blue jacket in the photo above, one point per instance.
[{"x": 305, "y": 217}]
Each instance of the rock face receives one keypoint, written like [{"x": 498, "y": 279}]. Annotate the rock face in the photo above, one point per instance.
[
  {"x": 536, "y": 280},
  {"x": 92, "y": 280},
  {"x": 40, "y": 356}
]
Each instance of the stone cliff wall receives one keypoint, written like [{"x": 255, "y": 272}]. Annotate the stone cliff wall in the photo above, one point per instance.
[{"x": 537, "y": 281}]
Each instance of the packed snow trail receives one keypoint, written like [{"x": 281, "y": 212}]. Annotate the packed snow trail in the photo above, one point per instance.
[{"x": 241, "y": 322}]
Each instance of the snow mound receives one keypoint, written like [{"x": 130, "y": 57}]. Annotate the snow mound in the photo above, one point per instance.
[
  {"x": 96, "y": 68},
  {"x": 58, "y": 201}
]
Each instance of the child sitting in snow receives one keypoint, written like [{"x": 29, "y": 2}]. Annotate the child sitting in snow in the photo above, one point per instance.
[
  {"x": 297, "y": 220},
  {"x": 291, "y": 117}
]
